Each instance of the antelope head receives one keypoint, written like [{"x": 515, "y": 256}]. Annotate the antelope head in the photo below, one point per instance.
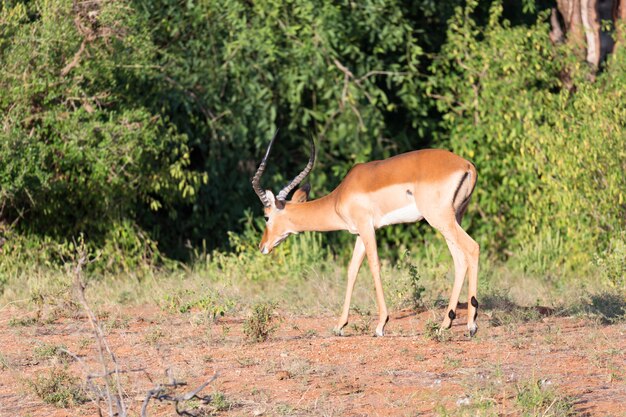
[{"x": 278, "y": 225}]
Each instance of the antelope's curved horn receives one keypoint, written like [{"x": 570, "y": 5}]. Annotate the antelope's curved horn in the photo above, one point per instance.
[
  {"x": 282, "y": 195},
  {"x": 259, "y": 173}
]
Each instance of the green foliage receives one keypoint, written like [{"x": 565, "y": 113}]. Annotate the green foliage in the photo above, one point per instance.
[
  {"x": 124, "y": 115},
  {"x": 80, "y": 153},
  {"x": 550, "y": 158},
  {"x": 138, "y": 125},
  {"x": 473, "y": 81},
  {"x": 612, "y": 263},
  {"x": 261, "y": 323},
  {"x": 337, "y": 71}
]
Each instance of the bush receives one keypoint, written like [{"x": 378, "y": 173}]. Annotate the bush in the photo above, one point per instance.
[
  {"x": 550, "y": 159},
  {"x": 140, "y": 126},
  {"x": 261, "y": 323},
  {"x": 58, "y": 388},
  {"x": 80, "y": 153}
]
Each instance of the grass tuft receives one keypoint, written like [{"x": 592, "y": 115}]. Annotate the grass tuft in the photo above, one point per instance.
[
  {"x": 538, "y": 398},
  {"x": 261, "y": 323},
  {"x": 219, "y": 402}
]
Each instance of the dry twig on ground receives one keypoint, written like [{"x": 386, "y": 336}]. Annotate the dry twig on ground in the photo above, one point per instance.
[{"x": 162, "y": 393}]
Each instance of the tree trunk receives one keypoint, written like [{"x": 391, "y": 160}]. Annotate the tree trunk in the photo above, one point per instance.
[
  {"x": 582, "y": 20},
  {"x": 591, "y": 24},
  {"x": 619, "y": 19}
]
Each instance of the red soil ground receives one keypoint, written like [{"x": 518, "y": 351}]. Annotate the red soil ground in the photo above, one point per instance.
[{"x": 305, "y": 370}]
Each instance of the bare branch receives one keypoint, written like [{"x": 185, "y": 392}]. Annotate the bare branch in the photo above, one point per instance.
[
  {"x": 385, "y": 73},
  {"x": 74, "y": 62},
  {"x": 102, "y": 342},
  {"x": 160, "y": 393}
]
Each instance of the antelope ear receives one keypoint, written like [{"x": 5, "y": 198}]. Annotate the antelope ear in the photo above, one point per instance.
[
  {"x": 302, "y": 194},
  {"x": 270, "y": 197}
]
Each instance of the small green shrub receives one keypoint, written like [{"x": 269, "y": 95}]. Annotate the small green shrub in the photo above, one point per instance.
[
  {"x": 261, "y": 323},
  {"x": 479, "y": 404},
  {"x": 49, "y": 351},
  {"x": 415, "y": 283},
  {"x": 219, "y": 402},
  {"x": 58, "y": 388},
  {"x": 433, "y": 331}
]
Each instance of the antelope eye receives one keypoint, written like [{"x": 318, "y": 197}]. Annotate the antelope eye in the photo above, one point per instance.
[{"x": 266, "y": 218}]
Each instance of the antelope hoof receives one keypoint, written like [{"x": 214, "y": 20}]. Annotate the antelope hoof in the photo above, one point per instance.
[
  {"x": 338, "y": 331},
  {"x": 380, "y": 329},
  {"x": 472, "y": 329}
]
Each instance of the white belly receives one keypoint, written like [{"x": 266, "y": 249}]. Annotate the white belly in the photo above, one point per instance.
[{"x": 406, "y": 214}]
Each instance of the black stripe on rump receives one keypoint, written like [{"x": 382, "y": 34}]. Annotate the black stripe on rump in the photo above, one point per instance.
[{"x": 459, "y": 186}]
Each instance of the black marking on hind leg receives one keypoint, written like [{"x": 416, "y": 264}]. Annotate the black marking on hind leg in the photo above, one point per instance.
[
  {"x": 408, "y": 192},
  {"x": 458, "y": 188},
  {"x": 451, "y": 314},
  {"x": 475, "y": 304}
]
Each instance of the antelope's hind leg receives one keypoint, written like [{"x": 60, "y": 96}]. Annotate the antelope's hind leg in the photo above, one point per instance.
[
  {"x": 460, "y": 269},
  {"x": 465, "y": 252}
]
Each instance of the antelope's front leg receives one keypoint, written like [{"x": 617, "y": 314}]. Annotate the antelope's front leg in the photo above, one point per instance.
[
  {"x": 369, "y": 239},
  {"x": 353, "y": 270}
]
